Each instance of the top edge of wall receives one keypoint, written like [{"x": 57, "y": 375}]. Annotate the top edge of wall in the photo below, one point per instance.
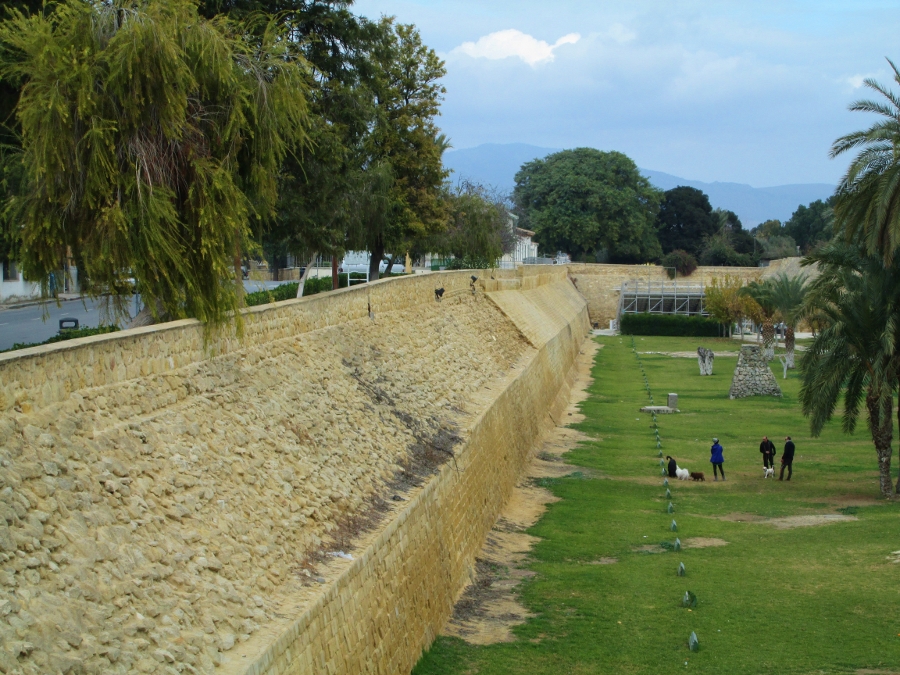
[{"x": 395, "y": 293}]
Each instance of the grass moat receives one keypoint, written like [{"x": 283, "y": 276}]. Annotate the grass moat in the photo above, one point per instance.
[{"x": 790, "y": 577}]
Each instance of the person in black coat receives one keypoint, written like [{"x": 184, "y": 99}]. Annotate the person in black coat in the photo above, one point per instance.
[
  {"x": 787, "y": 458},
  {"x": 671, "y": 466},
  {"x": 767, "y": 448}
]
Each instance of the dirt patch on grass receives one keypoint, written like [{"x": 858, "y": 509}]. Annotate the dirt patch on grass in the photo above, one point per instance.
[
  {"x": 612, "y": 561},
  {"x": 809, "y": 521},
  {"x": 489, "y": 606},
  {"x": 703, "y": 542},
  {"x": 788, "y": 522}
]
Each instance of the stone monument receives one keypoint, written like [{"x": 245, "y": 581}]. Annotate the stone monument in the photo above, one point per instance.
[
  {"x": 705, "y": 359},
  {"x": 753, "y": 377}
]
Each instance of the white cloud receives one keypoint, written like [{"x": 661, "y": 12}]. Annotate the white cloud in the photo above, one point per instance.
[
  {"x": 856, "y": 81},
  {"x": 511, "y": 42}
]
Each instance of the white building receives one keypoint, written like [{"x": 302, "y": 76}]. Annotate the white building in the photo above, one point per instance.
[
  {"x": 13, "y": 285},
  {"x": 524, "y": 248}
]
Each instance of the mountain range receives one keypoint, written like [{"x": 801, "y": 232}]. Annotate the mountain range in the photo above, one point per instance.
[{"x": 495, "y": 165}]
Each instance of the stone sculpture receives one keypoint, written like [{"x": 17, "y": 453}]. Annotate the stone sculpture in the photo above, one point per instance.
[
  {"x": 753, "y": 377},
  {"x": 705, "y": 359}
]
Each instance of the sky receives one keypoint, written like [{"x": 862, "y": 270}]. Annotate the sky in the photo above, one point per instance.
[{"x": 749, "y": 92}]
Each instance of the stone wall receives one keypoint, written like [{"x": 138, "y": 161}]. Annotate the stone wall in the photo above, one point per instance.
[{"x": 161, "y": 497}]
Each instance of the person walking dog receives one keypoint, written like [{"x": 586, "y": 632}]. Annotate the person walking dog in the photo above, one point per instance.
[
  {"x": 716, "y": 459},
  {"x": 672, "y": 465},
  {"x": 767, "y": 448},
  {"x": 787, "y": 458}
]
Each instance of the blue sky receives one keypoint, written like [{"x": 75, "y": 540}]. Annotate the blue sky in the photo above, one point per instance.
[{"x": 751, "y": 92}]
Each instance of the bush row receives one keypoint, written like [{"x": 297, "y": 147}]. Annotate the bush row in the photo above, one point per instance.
[
  {"x": 313, "y": 285},
  {"x": 68, "y": 334},
  {"x": 668, "y": 324}
]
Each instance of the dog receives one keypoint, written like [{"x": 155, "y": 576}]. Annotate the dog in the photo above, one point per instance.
[
  {"x": 769, "y": 471},
  {"x": 697, "y": 475},
  {"x": 682, "y": 474}
]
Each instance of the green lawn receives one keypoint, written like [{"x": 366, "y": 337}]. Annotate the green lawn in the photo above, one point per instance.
[{"x": 821, "y": 599}]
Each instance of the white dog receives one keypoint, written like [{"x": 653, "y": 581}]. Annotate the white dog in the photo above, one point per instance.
[
  {"x": 683, "y": 474},
  {"x": 770, "y": 471}
]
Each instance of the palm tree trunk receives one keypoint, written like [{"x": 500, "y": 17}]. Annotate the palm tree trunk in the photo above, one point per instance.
[
  {"x": 789, "y": 346},
  {"x": 768, "y": 336},
  {"x": 881, "y": 424}
]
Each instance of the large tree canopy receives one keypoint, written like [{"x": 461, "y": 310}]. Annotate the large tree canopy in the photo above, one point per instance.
[
  {"x": 811, "y": 225},
  {"x": 151, "y": 138},
  {"x": 685, "y": 220},
  {"x": 587, "y": 202}
]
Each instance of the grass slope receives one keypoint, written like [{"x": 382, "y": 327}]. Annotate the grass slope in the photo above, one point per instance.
[{"x": 808, "y": 600}]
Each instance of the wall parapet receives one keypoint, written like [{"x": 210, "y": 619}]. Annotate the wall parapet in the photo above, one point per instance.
[{"x": 103, "y": 360}]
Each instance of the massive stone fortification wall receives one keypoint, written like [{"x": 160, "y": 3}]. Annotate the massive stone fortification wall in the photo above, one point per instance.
[{"x": 162, "y": 501}]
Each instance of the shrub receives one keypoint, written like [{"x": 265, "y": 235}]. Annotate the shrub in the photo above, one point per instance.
[
  {"x": 679, "y": 261},
  {"x": 668, "y": 324},
  {"x": 63, "y": 335}
]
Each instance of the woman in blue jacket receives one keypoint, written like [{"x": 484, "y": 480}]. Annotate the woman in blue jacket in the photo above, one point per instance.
[{"x": 717, "y": 459}]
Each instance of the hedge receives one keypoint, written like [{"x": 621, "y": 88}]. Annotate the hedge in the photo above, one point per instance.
[
  {"x": 668, "y": 324},
  {"x": 313, "y": 285},
  {"x": 65, "y": 334}
]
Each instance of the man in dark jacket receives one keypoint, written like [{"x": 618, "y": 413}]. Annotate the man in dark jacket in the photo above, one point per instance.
[
  {"x": 671, "y": 466},
  {"x": 787, "y": 458},
  {"x": 767, "y": 448}
]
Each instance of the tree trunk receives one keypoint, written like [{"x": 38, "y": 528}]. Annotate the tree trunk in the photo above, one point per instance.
[
  {"x": 881, "y": 424},
  {"x": 789, "y": 346},
  {"x": 375, "y": 261},
  {"x": 305, "y": 275},
  {"x": 768, "y": 336},
  {"x": 335, "y": 279},
  {"x": 389, "y": 266}
]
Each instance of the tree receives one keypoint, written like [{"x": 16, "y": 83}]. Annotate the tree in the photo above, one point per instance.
[
  {"x": 868, "y": 197},
  {"x": 583, "y": 201},
  {"x": 727, "y": 304},
  {"x": 769, "y": 228},
  {"x": 152, "y": 137},
  {"x": 763, "y": 293},
  {"x": 685, "y": 220},
  {"x": 479, "y": 227},
  {"x": 406, "y": 141},
  {"x": 854, "y": 355},
  {"x": 719, "y": 251},
  {"x": 788, "y": 294},
  {"x": 811, "y": 225},
  {"x": 12, "y": 171}
]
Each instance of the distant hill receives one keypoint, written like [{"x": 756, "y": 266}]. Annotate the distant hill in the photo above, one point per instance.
[{"x": 496, "y": 165}]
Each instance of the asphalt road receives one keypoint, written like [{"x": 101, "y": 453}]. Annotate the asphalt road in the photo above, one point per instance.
[{"x": 37, "y": 323}]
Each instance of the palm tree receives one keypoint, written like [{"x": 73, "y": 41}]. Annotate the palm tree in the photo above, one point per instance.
[
  {"x": 855, "y": 355},
  {"x": 762, "y": 293},
  {"x": 787, "y": 295},
  {"x": 868, "y": 196}
]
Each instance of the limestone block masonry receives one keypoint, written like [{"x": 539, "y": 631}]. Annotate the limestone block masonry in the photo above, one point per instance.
[
  {"x": 159, "y": 495},
  {"x": 752, "y": 376}
]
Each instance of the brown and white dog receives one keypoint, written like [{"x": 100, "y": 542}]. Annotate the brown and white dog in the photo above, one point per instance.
[{"x": 697, "y": 475}]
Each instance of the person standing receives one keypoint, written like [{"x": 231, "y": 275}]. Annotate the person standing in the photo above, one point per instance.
[
  {"x": 787, "y": 458},
  {"x": 671, "y": 466},
  {"x": 716, "y": 459},
  {"x": 767, "y": 448}
]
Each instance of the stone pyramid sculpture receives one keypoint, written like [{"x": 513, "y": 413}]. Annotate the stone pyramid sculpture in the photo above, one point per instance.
[{"x": 753, "y": 377}]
